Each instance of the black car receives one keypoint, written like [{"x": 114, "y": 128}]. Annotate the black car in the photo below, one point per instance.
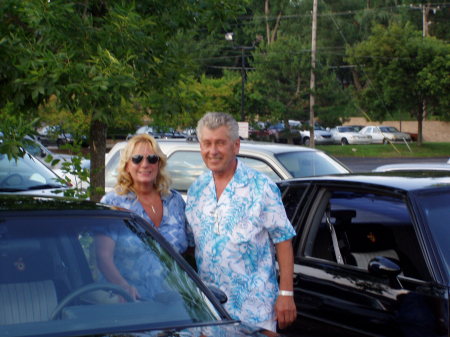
[
  {"x": 372, "y": 254},
  {"x": 51, "y": 283}
]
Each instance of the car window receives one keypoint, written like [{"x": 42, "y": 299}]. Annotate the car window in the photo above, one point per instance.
[
  {"x": 261, "y": 166},
  {"x": 111, "y": 170},
  {"x": 184, "y": 167},
  {"x": 24, "y": 173},
  {"x": 54, "y": 260},
  {"x": 351, "y": 228},
  {"x": 437, "y": 213},
  {"x": 309, "y": 163}
]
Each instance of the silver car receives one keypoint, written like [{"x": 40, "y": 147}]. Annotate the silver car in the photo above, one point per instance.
[
  {"x": 277, "y": 161},
  {"x": 346, "y": 135},
  {"x": 385, "y": 134}
]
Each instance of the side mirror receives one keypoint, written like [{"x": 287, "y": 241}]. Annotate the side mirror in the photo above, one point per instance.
[
  {"x": 385, "y": 267},
  {"x": 220, "y": 295}
]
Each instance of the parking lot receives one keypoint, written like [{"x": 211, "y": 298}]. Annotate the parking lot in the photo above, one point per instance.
[{"x": 368, "y": 164}]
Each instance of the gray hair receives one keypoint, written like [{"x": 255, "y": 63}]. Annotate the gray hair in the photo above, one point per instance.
[{"x": 214, "y": 120}]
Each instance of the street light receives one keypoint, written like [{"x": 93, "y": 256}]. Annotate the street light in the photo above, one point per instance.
[{"x": 229, "y": 37}]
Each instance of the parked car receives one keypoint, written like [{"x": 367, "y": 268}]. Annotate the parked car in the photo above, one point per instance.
[
  {"x": 279, "y": 133},
  {"x": 160, "y": 133},
  {"x": 51, "y": 283},
  {"x": 28, "y": 175},
  {"x": 277, "y": 161},
  {"x": 299, "y": 133},
  {"x": 346, "y": 135},
  {"x": 50, "y": 135},
  {"x": 425, "y": 168},
  {"x": 385, "y": 134},
  {"x": 321, "y": 135},
  {"x": 372, "y": 253}
]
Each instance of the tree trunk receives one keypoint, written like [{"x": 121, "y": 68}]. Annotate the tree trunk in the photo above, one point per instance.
[
  {"x": 419, "y": 124},
  {"x": 97, "y": 144}
]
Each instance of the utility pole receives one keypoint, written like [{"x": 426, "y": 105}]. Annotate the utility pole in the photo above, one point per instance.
[
  {"x": 425, "y": 8},
  {"x": 312, "y": 83},
  {"x": 229, "y": 37}
]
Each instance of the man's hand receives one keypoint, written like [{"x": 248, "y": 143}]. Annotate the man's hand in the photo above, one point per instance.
[{"x": 285, "y": 311}]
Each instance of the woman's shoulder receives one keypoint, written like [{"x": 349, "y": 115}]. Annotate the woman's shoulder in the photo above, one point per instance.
[{"x": 112, "y": 198}]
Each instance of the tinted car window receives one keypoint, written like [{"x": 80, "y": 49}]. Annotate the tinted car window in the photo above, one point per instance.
[
  {"x": 351, "y": 228},
  {"x": 56, "y": 258},
  {"x": 437, "y": 212}
]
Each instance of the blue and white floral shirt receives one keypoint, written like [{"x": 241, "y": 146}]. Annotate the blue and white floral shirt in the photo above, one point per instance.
[
  {"x": 173, "y": 223},
  {"x": 234, "y": 238}
]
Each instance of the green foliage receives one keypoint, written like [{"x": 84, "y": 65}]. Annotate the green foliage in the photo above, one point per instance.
[
  {"x": 280, "y": 82},
  {"x": 399, "y": 69},
  {"x": 13, "y": 130}
]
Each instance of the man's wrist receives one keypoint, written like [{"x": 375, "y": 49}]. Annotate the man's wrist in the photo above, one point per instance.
[{"x": 285, "y": 293}]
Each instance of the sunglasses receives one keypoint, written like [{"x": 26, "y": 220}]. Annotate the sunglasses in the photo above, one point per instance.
[{"x": 151, "y": 158}]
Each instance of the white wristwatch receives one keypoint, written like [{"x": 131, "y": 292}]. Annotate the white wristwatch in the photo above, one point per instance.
[{"x": 285, "y": 293}]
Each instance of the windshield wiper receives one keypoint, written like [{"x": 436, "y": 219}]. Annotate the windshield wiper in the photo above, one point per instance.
[
  {"x": 45, "y": 186},
  {"x": 10, "y": 189}
]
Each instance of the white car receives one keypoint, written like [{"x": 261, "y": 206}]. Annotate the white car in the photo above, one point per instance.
[
  {"x": 422, "y": 166},
  {"x": 345, "y": 135},
  {"x": 277, "y": 161},
  {"x": 385, "y": 134},
  {"x": 321, "y": 136},
  {"x": 28, "y": 175}
]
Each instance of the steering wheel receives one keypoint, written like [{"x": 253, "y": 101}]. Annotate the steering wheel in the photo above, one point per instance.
[
  {"x": 18, "y": 177},
  {"x": 87, "y": 289}
]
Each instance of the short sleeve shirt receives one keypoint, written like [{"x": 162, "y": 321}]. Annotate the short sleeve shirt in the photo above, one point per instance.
[
  {"x": 173, "y": 223},
  {"x": 234, "y": 238}
]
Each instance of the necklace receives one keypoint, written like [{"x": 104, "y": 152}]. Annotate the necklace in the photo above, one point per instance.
[{"x": 153, "y": 209}]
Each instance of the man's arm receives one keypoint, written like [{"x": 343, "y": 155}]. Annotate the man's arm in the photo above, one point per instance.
[{"x": 285, "y": 309}]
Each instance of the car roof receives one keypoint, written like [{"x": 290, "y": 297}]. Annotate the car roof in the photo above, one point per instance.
[
  {"x": 27, "y": 202},
  {"x": 254, "y": 146},
  {"x": 405, "y": 181}
]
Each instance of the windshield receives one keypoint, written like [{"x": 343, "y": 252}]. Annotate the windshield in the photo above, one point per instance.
[
  {"x": 309, "y": 163},
  {"x": 388, "y": 129},
  {"x": 435, "y": 207},
  {"x": 345, "y": 129},
  {"x": 25, "y": 173},
  {"x": 64, "y": 258}
]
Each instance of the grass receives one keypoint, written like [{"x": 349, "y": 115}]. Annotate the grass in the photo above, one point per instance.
[{"x": 411, "y": 150}]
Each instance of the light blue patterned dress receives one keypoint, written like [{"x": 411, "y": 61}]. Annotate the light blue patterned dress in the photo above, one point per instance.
[
  {"x": 132, "y": 257},
  {"x": 173, "y": 223},
  {"x": 235, "y": 237}
]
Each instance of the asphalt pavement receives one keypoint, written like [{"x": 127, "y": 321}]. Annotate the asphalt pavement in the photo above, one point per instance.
[{"x": 368, "y": 164}]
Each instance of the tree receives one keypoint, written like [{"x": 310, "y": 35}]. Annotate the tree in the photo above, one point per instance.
[
  {"x": 94, "y": 55},
  {"x": 399, "y": 70}
]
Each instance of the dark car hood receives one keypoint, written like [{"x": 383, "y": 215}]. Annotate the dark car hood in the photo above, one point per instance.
[{"x": 228, "y": 329}]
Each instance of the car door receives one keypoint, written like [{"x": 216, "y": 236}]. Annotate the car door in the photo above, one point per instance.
[{"x": 340, "y": 229}]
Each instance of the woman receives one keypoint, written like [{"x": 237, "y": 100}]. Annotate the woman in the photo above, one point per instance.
[{"x": 143, "y": 187}]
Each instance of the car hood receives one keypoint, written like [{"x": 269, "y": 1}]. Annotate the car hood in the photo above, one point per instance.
[
  {"x": 50, "y": 191},
  {"x": 235, "y": 329},
  {"x": 229, "y": 328}
]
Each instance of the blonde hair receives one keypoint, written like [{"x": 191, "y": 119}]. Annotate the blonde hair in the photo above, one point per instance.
[{"x": 125, "y": 182}]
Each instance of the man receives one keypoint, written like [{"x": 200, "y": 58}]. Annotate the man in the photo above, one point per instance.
[{"x": 235, "y": 217}]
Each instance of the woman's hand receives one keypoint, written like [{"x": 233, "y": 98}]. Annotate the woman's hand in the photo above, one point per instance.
[{"x": 132, "y": 291}]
